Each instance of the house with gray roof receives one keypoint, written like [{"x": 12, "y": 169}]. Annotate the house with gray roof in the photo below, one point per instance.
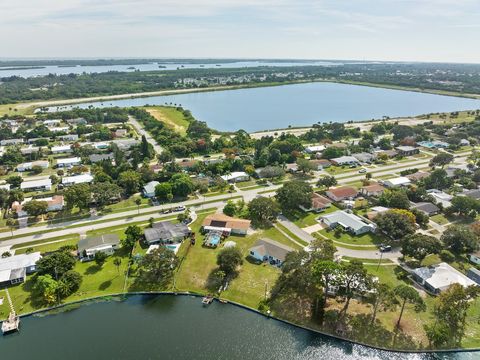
[
  {"x": 96, "y": 158},
  {"x": 364, "y": 157},
  {"x": 89, "y": 246},
  {"x": 270, "y": 250},
  {"x": 348, "y": 221},
  {"x": 166, "y": 232},
  {"x": 149, "y": 189},
  {"x": 14, "y": 269},
  {"x": 427, "y": 208},
  {"x": 437, "y": 278}
]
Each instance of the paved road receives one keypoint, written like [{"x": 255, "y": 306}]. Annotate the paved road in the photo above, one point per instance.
[
  {"x": 293, "y": 228},
  {"x": 369, "y": 254},
  {"x": 139, "y": 128}
]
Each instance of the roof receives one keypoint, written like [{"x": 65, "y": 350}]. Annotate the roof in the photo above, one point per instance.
[
  {"x": 373, "y": 188},
  {"x": 94, "y": 158},
  {"x": 61, "y": 147},
  {"x": 406, "y": 148},
  {"x": 417, "y": 176},
  {"x": 402, "y": 180},
  {"x": 364, "y": 156},
  {"x": 234, "y": 175},
  {"x": 320, "y": 201},
  {"x": 224, "y": 221},
  {"x": 426, "y": 207},
  {"x": 166, "y": 230},
  {"x": 150, "y": 187},
  {"x": 78, "y": 179},
  {"x": 474, "y": 194},
  {"x": 267, "y": 247},
  {"x": 93, "y": 242},
  {"x": 17, "y": 262},
  {"x": 321, "y": 162},
  {"x": 71, "y": 160},
  {"x": 344, "y": 191},
  {"x": 442, "y": 275},
  {"x": 345, "y": 159},
  {"x": 315, "y": 148},
  {"x": 36, "y": 184},
  {"x": 347, "y": 220}
]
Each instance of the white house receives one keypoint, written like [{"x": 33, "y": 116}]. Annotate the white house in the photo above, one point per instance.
[
  {"x": 36, "y": 185},
  {"x": 349, "y": 222},
  {"x": 236, "y": 176},
  {"x": 61, "y": 149},
  {"x": 88, "y": 247},
  {"x": 270, "y": 251},
  {"x": 11, "y": 142},
  {"x": 60, "y": 129},
  {"x": 441, "y": 197},
  {"x": 77, "y": 179},
  {"x": 68, "y": 162},
  {"x": 314, "y": 149},
  {"x": 14, "y": 269},
  {"x": 397, "y": 182},
  {"x": 5, "y": 187},
  {"x": 437, "y": 278},
  {"x": 345, "y": 160},
  {"x": 149, "y": 189},
  {"x": 29, "y": 165}
]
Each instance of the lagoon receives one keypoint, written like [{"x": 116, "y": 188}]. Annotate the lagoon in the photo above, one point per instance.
[
  {"x": 264, "y": 108},
  {"x": 178, "y": 327}
]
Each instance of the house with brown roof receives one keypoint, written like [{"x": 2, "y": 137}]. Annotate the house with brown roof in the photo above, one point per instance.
[
  {"x": 342, "y": 193},
  {"x": 320, "y": 164},
  {"x": 225, "y": 224},
  {"x": 319, "y": 203},
  {"x": 374, "y": 189},
  {"x": 419, "y": 175}
]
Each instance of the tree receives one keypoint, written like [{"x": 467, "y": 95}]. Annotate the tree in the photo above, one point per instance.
[
  {"x": 438, "y": 179},
  {"x": 100, "y": 258},
  {"x": 270, "y": 172},
  {"x": 46, "y": 287},
  {"x": 78, "y": 195},
  {"x": 229, "y": 259},
  {"x": 117, "y": 262},
  {"x": 55, "y": 264},
  {"x": 463, "y": 205},
  {"x": 460, "y": 239},
  {"x": 327, "y": 181},
  {"x": 332, "y": 152},
  {"x": 145, "y": 148},
  {"x": 355, "y": 282},
  {"x": 69, "y": 283},
  {"x": 130, "y": 181},
  {"x": 35, "y": 208},
  {"x": 163, "y": 190},
  {"x": 263, "y": 210},
  {"x": 396, "y": 224},
  {"x": 105, "y": 193},
  {"x": 450, "y": 313},
  {"x": 326, "y": 274},
  {"x": 305, "y": 165},
  {"x": 396, "y": 199},
  {"x": 15, "y": 181},
  {"x": 382, "y": 298},
  {"x": 165, "y": 156},
  {"x": 36, "y": 169},
  {"x": 182, "y": 185},
  {"x": 408, "y": 295},
  {"x": 419, "y": 246},
  {"x": 157, "y": 267},
  {"x": 441, "y": 159},
  {"x": 293, "y": 194},
  {"x": 132, "y": 235},
  {"x": 230, "y": 208},
  {"x": 138, "y": 202}
]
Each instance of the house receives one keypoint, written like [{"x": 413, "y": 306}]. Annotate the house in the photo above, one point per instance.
[
  {"x": 71, "y": 137},
  {"x": 441, "y": 197},
  {"x": 68, "y": 162},
  {"x": 473, "y": 194},
  {"x": 96, "y": 158},
  {"x": 60, "y": 129},
  {"x": 419, "y": 175},
  {"x": 126, "y": 144},
  {"x": 314, "y": 149},
  {"x": 397, "y": 182},
  {"x": 374, "y": 211},
  {"x": 187, "y": 165},
  {"x": 342, "y": 193},
  {"x": 166, "y": 232},
  {"x": 319, "y": 203},
  {"x": 5, "y": 187},
  {"x": 36, "y": 185},
  {"x": 474, "y": 274},
  {"x": 76, "y": 121},
  {"x": 338, "y": 145},
  {"x": 17, "y": 208},
  {"x": 149, "y": 189},
  {"x": 29, "y": 165},
  {"x": 55, "y": 203},
  {"x": 52, "y": 122},
  {"x": 349, "y": 222},
  {"x": 77, "y": 179},
  {"x": 121, "y": 133},
  {"x": 61, "y": 149},
  {"x": 14, "y": 269},
  {"x": 291, "y": 168},
  {"x": 236, "y": 176},
  {"x": 269, "y": 250},
  {"x": 437, "y": 278},
  {"x": 30, "y": 150},
  {"x": 390, "y": 153},
  {"x": 372, "y": 190},
  {"x": 106, "y": 244},
  {"x": 474, "y": 257},
  {"x": 427, "y": 208},
  {"x": 8, "y": 142},
  {"x": 364, "y": 157},
  {"x": 320, "y": 164},
  {"x": 345, "y": 160},
  {"x": 436, "y": 144},
  {"x": 226, "y": 224},
  {"x": 464, "y": 142},
  {"x": 406, "y": 150}
]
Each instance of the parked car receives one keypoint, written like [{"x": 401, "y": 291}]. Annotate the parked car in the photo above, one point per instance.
[
  {"x": 385, "y": 248},
  {"x": 362, "y": 171},
  {"x": 180, "y": 208}
]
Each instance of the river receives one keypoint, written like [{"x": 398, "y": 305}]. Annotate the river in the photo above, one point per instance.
[
  {"x": 275, "y": 107},
  {"x": 25, "y": 72},
  {"x": 169, "y": 327}
]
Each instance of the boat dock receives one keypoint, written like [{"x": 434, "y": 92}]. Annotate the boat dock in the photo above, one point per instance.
[
  {"x": 12, "y": 323},
  {"x": 207, "y": 300}
]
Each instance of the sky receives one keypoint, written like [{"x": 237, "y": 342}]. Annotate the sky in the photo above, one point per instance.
[{"x": 402, "y": 30}]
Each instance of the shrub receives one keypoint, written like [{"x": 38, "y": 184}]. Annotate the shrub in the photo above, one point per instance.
[{"x": 447, "y": 256}]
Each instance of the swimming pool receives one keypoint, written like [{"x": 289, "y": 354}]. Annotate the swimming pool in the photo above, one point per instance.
[{"x": 213, "y": 239}]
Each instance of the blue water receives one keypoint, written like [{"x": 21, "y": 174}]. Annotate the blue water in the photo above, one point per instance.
[
  {"x": 298, "y": 105},
  {"x": 146, "y": 67},
  {"x": 213, "y": 239}
]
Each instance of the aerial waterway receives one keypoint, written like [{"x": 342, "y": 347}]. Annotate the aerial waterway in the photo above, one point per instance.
[
  {"x": 179, "y": 327},
  {"x": 277, "y": 107}
]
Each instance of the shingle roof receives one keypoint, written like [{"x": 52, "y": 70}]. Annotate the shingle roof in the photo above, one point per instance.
[
  {"x": 221, "y": 220},
  {"x": 166, "y": 231},
  {"x": 96, "y": 241},
  {"x": 343, "y": 192},
  {"x": 267, "y": 247}
]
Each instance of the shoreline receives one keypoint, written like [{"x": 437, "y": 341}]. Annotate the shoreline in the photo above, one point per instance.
[{"x": 108, "y": 298}]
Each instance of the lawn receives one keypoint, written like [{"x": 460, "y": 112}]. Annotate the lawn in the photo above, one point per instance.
[
  {"x": 125, "y": 205},
  {"x": 171, "y": 117},
  {"x": 440, "y": 219},
  {"x": 348, "y": 239},
  {"x": 44, "y": 246},
  {"x": 368, "y": 261}
]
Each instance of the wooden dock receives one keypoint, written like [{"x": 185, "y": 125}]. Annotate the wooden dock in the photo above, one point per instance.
[{"x": 12, "y": 324}]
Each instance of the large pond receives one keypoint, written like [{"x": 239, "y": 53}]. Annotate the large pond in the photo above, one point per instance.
[
  {"x": 299, "y": 104},
  {"x": 169, "y": 327},
  {"x": 7, "y": 71}
]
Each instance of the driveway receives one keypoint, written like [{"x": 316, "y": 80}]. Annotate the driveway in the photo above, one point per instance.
[
  {"x": 139, "y": 128},
  {"x": 302, "y": 234}
]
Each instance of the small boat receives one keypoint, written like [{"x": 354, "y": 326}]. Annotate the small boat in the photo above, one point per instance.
[
  {"x": 223, "y": 301},
  {"x": 207, "y": 300},
  {"x": 11, "y": 324}
]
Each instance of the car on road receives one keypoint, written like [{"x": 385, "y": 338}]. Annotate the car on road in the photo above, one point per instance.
[
  {"x": 179, "y": 208},
  {"x": 385, "y": 248},
  {"x": 362, "y": 171}
]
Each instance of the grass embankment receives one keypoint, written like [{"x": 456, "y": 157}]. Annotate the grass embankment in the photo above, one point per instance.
[{"x": 171, "y": 117}]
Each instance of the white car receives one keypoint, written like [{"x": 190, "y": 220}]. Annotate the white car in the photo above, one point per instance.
[{"x": 362, "y": 171}]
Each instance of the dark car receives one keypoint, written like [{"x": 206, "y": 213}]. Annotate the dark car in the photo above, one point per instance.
[{"x": 385, "y": 248}]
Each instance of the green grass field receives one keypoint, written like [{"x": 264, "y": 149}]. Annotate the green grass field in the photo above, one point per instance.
[
  {"x": 171, "y": 117},
  {"x": 348, "y": 239}
]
